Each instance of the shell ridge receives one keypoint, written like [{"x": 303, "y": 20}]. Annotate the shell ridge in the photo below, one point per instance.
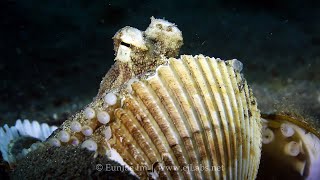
[
  {"x": 146, "y": 124},
  {"x": 162, "y": 118},
  {"x": 196, "y": 96},
  {"x": 157, "y": 136},
  {"x": 251, "y": 132},
  {"x": 246, "y": 152},
  {"x": 148, "y": 147},
  {"x": 240, "y": 116},
  {"x": 123, "y": 151},
  {"x": 158, "y": 117},
  {"x": 156, "y": 86},
  {"x": 180, "y": 67},
  {"x": 188, "y": 112},
  {"x": 197, "y": 73},
  {"x": 135, "y": 139},
  {"x": 234, "y": 112},
  {"x": 216, "y": 100},
  {"x": 203, "y": 61},
  {"x": 126, "y": 141},
  {"x": 219, "y": 97},
  {"x": 176, "y": 114},
  {"x": 257, "y": 133},
  {"x": 218, "y": 118},
  {"x": 229, "y": 114}
]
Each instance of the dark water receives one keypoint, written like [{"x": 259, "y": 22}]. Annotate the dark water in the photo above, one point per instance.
[{"x": 54, "y": 53}]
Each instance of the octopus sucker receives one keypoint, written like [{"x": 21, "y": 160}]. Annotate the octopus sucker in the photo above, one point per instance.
[{"x": 297, "y": 144}]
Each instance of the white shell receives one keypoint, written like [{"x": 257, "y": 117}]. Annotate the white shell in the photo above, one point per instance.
[{"x": 22, "y": 129}]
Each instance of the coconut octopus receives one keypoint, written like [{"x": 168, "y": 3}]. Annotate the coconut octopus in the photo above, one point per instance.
[{"x": 192, "y": 117}]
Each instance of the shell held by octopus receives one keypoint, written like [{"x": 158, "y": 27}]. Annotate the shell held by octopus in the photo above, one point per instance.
[{"x": 192, "y": 117}]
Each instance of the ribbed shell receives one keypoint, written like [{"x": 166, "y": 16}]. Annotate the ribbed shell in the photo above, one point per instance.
[{"x": 193, "y": 112}]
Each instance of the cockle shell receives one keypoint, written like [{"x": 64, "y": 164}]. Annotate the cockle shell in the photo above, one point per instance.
[
  {"x": 189, "y": 118},
  {"x": 194, "y": 111}
]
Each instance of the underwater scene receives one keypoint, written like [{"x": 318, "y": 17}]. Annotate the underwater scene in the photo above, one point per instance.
[{"x": 146, "y": 89}]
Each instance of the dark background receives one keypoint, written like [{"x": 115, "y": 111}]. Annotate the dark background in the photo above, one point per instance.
[{"x": 53, "y": 54}]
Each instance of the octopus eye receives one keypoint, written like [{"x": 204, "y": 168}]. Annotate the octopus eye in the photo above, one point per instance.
[
  {"x": 159, "y": 26},
  {"x": 125, "y": 44}
]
